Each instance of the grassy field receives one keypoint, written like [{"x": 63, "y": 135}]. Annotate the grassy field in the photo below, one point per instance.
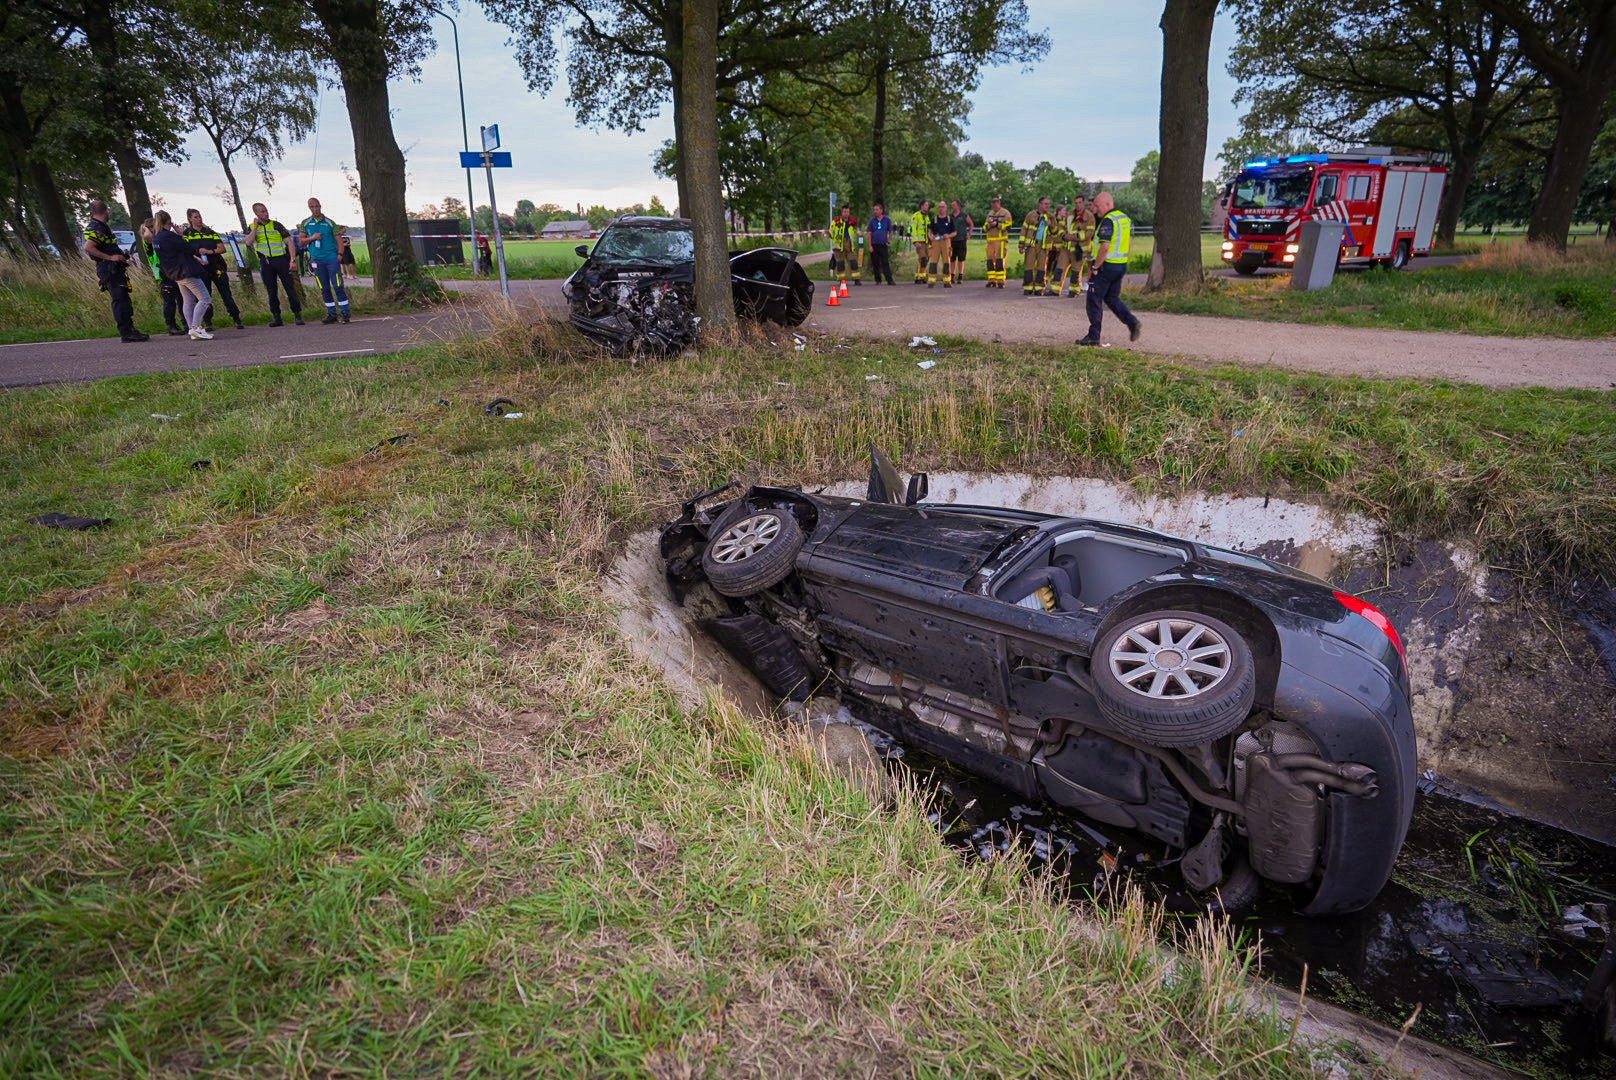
[
  {"x": 327, "y": 759},
  {"x": 1510, "y": 289},
  {"x": 63, "y": 301},
  {"x": 544, "y": 259}
]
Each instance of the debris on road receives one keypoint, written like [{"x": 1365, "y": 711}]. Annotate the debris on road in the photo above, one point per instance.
[
  {"x": 919, "y": 340},
  {"x": 69, "y": 521},
  {"x": 926, "y": 365},
  {"x": 497, "y": 407},
  {"x": 165, "y": 416}
]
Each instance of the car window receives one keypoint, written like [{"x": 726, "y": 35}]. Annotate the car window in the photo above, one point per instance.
[
  {"x": 1358, "y": 187},
  {"x": 662, "y": 247},
  {"x": 1326, "y": 190}
]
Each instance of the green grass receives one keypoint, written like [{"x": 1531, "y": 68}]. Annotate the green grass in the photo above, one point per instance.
[
  {"x": 328, "y": 760},
  {"x": 546, "y": 259},
  {"x": 1509, "y": 290},
  {"x": 62, "y": 302}
]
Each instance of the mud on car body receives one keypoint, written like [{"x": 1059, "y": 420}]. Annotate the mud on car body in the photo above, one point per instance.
[
  {"x": 1244, "y": 713},
  {"x": 635, "y": 291}
]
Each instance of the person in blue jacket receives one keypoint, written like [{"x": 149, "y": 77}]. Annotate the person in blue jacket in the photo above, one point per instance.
[{"x": 318, "y": 235}]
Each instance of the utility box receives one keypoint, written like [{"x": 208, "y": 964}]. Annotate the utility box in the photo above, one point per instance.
[
  {"x": 437, "y": 242},
  {"x": 1318, "y": 251}
]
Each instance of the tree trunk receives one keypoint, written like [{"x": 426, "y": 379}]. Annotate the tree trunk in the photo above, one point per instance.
[
  {"x": 102, "y": 36},
  {"x": 235, "y": 190},
  {"x": 52, "y": 214},
  {"x": 679, "y": 160},
  {"x": 1186, "y": 45},
  {"x": 1568, "y": 164},
  {"x": 1460, "y": 174},
  {"x": 704, "y": 183},
  {"x": 878, "y": 131},
  {"x": 356, "y": 38}
]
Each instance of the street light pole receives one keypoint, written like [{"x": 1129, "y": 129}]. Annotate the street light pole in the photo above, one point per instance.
[{"x": 465, "y": 135}]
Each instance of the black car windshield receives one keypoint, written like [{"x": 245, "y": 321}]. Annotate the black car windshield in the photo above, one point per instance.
[
  {"x": 658, "y": 247},
  {"x": 1272, "y": 191}
]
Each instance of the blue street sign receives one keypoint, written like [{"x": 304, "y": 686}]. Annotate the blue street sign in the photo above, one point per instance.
[
  {"x": 491, "y": 137},
  {"x": 485, "y": 159}
]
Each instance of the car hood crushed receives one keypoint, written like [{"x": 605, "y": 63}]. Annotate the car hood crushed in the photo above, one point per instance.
[{"x": 635, "y": 292}]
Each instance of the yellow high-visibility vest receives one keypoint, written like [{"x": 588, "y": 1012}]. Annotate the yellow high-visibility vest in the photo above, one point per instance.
[
  {"x": 919, "y": 226},
  {"x": 268, "y": 239},
  {"x": 1121, "y": 237}
]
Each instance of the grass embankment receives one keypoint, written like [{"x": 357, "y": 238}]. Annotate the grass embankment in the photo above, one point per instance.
[
  {"x": 1514, "y": 290},
  {"x": 326, "y": 759},
  {"x": 62, "y": 300}
]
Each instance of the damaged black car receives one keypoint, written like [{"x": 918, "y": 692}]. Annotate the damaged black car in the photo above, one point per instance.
[
  {"x": 635, "y": 291},
  {"x": 1247, "y": 715}
]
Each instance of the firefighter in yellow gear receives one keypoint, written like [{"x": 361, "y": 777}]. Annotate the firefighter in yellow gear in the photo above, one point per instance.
[
  {"x": 920, "y": 234},
  {"x": 1060, "y": 253},
  {"x": 1034, "y": 248},
  {"x": 996, "y": 230},
  {"x": 1080, "y": 225},
  {"x": 845, "y": 241}
]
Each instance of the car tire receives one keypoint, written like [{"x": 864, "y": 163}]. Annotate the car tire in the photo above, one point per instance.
[
  {"x": 1400, "y": 256},
  {"x": 1245, "y": 269},
  {"x": 751, "y": 550},
  {"x": 1201, "y": 690}
]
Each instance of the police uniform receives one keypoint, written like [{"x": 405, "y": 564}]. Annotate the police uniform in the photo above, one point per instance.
[
  {"x": 272, "y": 244},
  {"x": 204, "y": 243},
  {"x": 1034, "y": 251},
  {"x": 1105, "y": 290},
  {"x": 844, "y": 238},
  {"x": 114, "y": 278},
  {"x": 1080, "y": 237},
  {"x": 920, "y": 234},
  {"x": 169, "y": 290},
  {"x": 996, "y": 230}
]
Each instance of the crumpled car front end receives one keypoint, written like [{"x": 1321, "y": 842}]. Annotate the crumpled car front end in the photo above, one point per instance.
[{"x": 635, "y": 311}]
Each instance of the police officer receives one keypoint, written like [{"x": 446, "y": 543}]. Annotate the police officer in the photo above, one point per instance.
[
  {"x": 273, "y": 245},
  {"x": 920, "y": 236},
  {"x": 169, "y": 290},
  {"x": 996, "y": 230},
  {"x": 1034, "y": 249},
  {"x": 1113, "y": 241},
  {"x": 208, "y": 247},
  {"x": 112, "y": 269}
]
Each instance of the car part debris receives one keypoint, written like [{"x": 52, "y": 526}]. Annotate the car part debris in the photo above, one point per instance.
[
  {"x": 393, "y": 440},
  {"x": 200, "y": 464},
  {"x": 69, "y": 521},
  {"x": 166, "y": 416},
  {"x": 498, "y": 406},
  {"x": 926, "y": 365}
]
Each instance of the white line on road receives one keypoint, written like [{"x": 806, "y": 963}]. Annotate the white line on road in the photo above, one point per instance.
[{"x": 311, "y": 355}]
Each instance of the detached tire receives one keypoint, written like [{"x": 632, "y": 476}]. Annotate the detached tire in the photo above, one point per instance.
[
  {"x": 1173, "y": 678},
  {"x": 751, "y": 550}
]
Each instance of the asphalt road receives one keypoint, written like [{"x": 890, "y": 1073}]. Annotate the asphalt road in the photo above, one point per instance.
[{"x": 886, "y": 313}]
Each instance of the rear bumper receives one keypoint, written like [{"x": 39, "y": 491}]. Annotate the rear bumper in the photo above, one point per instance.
[{"x": 1371, "y": 726}]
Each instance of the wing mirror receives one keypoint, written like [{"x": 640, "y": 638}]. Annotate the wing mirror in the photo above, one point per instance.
[
  {"x": 582, "y": 251},
  {"x": 919, "y": 488}
]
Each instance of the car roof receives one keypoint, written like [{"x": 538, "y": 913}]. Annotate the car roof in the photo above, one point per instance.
[{"x": 639, "y": 221}]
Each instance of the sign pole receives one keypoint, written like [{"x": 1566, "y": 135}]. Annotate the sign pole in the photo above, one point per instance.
[{"x": 499, "y": 239}]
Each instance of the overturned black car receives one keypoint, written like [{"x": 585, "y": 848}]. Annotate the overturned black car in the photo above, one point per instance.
[
  {"x": 1242, "y": 712},
  {"x": 635, "y": 290}
]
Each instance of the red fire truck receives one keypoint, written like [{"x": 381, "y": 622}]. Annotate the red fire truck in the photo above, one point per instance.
[{"x": 1387, "y": 203}]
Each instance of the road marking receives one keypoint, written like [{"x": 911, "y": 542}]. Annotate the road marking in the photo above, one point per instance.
[
  {"x": 882, "y": 307},
  {"x": 311, "y": 355}
]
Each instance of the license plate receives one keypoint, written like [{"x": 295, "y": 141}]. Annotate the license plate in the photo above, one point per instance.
[{"x": 1259, "y": 247}]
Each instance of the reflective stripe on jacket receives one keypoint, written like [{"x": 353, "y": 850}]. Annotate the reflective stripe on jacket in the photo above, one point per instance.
[
  {"x": 1121, "y": 237},
  {"x": 269, "y": 239}
]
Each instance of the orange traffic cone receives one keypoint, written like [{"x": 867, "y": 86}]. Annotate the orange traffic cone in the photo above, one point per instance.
[
  {"x": 844, "y": 288},
  {"x": 832, "y": 301}
]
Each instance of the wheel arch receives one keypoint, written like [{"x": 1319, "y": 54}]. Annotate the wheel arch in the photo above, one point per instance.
[{"x": 1234, "y": 609}]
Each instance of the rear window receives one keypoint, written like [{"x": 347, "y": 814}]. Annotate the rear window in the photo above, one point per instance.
[{"x": 660, "y": 247}]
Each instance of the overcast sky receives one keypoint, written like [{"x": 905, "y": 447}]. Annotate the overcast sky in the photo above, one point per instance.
[{"x": 1091, "y": 106}]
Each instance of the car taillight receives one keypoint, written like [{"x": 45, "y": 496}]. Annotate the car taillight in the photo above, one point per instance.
[{"x": 1377, "y": 617}]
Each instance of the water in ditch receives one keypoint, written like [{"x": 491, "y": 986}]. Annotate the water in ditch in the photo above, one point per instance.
[{"x": 1490, "y": 924}]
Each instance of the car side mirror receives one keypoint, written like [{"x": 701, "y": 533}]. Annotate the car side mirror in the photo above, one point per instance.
[
  {"x": 582, "y": 251},
  {"x": 919, "y": 488}
]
